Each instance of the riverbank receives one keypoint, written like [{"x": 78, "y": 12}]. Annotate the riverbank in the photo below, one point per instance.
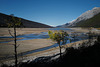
[
  {"x": 85, "y": 30},
  {"x": 49, "y": 52},
  {"x": 7, "y": 49}
]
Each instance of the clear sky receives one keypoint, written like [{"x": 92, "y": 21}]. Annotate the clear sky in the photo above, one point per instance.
[{"x": 51, "y": 12}]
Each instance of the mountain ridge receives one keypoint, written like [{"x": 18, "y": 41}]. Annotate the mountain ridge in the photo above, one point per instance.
[
  {"x": 26, "y": 23},
  {"x": 92, "y": 22},
  {"x": 85, "y": 16}
]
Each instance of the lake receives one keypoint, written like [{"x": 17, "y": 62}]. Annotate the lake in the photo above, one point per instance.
[{"x": 42, "y": 35}]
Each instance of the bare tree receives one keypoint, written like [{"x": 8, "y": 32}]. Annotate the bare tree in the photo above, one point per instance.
[{"x": 14, "y": 22}]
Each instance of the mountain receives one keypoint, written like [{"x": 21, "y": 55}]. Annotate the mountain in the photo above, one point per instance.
[
  {"x": 86, "y": 19},
  {"x": 92, "y": 22},
  {"x": 63, "y": 26},
  {"x": 25, "y": 23}
]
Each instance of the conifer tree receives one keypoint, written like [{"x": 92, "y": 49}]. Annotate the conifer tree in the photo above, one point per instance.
[{"x": 58, "y": 37}]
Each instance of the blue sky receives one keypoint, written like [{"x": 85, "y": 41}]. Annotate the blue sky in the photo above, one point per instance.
[{"x": 51, "y": 12}]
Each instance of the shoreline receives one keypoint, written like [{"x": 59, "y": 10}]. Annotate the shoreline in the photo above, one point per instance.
[
  {"x": 33, "y": 56},
  {"x": 33, "y": 44}
]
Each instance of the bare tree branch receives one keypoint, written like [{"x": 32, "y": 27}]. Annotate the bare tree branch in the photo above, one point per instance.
[
  {"x": 10, "y": 32},
  {"x": 17, "y": 46}
]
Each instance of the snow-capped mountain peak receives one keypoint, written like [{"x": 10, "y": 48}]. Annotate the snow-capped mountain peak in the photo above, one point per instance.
[{"x": 88, "y": 14}]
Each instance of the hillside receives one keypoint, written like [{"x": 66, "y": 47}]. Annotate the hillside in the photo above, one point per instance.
[
  {"x": 92, "y": 22},
  {"x": 87, "y": 19},
  {"x": 90, "y": 18},
  {"x": 25, "y": 23}
]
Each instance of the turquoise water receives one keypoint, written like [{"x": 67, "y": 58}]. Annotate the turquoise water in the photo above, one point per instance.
[
  {"x": 42, "y": 35},
  {"x": 59, "y": 29}
]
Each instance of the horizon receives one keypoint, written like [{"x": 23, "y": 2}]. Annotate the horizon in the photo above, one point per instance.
[{"x": 50, "y": 12}]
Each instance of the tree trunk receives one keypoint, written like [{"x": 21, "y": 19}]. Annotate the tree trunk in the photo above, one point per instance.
[{"x": 15, "y": 46}]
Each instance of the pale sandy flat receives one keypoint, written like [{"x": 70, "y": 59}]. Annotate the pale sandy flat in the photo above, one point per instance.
[
  {"x": 21, "y": 31},
  {"x": 26, "y": 45}
]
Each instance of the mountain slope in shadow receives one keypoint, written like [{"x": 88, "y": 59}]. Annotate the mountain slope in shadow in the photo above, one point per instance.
[{"x": 25, "y": 23}]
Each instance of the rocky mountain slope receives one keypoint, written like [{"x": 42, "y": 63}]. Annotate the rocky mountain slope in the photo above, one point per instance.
[
  {"x": 89, "y": 17},
  {"x": 92, "y": 22},
  {"x": 25, "y": 23}
]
